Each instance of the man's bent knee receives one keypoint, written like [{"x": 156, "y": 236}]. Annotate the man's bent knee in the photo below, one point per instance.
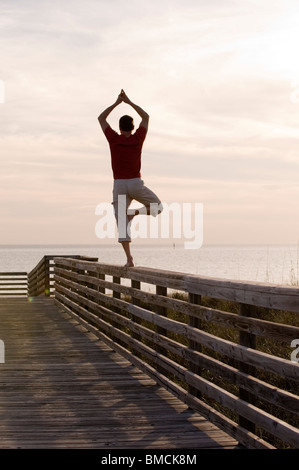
[{"x": 156, "y": 208}]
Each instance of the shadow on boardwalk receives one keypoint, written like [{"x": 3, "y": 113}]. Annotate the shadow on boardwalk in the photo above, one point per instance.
[{"x": 63, "y": 388}]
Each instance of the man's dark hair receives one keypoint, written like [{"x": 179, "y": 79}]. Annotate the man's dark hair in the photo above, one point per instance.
[{"x": 126, "y": 123}]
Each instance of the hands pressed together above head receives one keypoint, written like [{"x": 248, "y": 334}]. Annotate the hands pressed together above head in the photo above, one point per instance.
[{"x": 122, "y": 97}]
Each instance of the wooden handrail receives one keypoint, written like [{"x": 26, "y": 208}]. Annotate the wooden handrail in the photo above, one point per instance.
[
  {"x": 212, "y": 358},
  {"x": 13, "y": 284},
  {"x": 40, "y": 278},
  {"x": 206, "y": 340}
]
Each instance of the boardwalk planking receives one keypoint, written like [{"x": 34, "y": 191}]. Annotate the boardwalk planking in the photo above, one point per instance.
[{"x": 61, "y": 387}]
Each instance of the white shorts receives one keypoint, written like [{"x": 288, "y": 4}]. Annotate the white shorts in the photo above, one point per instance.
[{"x": 124, "y": 191}]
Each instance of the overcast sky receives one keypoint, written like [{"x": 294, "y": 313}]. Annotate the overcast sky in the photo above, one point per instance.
[{"x": 219, "y": 78}]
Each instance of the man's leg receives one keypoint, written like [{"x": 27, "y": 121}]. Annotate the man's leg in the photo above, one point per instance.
[
  {"x": 151, "y": 203},
  {"x": 126, "y": 247},
  {"x": 121, "y": 202}
]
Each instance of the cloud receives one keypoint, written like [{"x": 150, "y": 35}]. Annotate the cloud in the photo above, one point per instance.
[{"x": 217, "y": 78}]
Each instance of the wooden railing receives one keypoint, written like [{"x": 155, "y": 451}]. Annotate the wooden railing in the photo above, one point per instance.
[
  {"x": 13, "y": 284},
  {"x": 40, "y": 279},
  {"x": 213, "y": 343}
]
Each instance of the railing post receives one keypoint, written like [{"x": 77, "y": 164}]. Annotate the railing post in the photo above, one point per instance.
[
  {"x": 210, "y": 356},
  {"x": 135, "y": 319},
  {"x": 100, "y": 276},
  {"x": 115, "y": 294},
  {"x": 87, "y": 273},
  {"x": 80, "y": 271},
  {"x": 47, "y": 277},
  {"x": 31, "y": 286},
  {"x": 161, "y": 290},
  {"x": 195, "y": 323},
  {"x": 116, "y": 280},
  {"x": 101, "y": 290},
  {"x": 135, "y": 285},
  {"x": 249, "y": 341}
]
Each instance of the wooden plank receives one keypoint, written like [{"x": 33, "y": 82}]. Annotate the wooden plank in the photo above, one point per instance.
[
  {"x": 248, "y": 340},
  {"x": 255, "y": 326},
  {"x": 79, "y": 288},
  {"x": 17, "y": 273},
  {"x": 135, "y": 320},
  {"x": 162, "y": 311},
  {"x": 258, "y": 359},
  {"x": 270, "y": 423},
  {"x": 14, "y": 282},
  {"x": 61, "y": 387},
  {"x": 275, "y": 396},
  {"x": 13, "y": 288},
  {"x": 151, "y": 276},
  {"x": 214, "y": 416},
  {"x": 274, "y": 425},
  {"x": 13, "y": 294},
  {"x": 259, "y": 294},
  {"x": 252, "y": 293},
  {"x": 195, "y": 322}
]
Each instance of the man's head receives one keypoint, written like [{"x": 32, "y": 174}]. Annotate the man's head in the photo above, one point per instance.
[{"x": 126, "y": 123}]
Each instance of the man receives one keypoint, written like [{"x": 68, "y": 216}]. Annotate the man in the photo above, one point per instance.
[{"x": 126, "y": 150}]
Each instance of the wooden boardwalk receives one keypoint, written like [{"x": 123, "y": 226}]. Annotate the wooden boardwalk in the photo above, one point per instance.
[{"x": 61, "y": 387}]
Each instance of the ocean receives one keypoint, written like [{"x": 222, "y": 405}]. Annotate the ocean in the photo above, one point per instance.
[{"x": 269, "y": 264}]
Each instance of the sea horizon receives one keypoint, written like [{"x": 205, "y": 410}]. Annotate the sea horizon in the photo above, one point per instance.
[{"x": 267, "y": 263}]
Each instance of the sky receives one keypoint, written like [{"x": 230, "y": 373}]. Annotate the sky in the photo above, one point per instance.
[{"x": 219, "y": 79}]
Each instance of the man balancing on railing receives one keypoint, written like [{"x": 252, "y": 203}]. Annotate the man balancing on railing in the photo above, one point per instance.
[{"x": 126, "y": 150}]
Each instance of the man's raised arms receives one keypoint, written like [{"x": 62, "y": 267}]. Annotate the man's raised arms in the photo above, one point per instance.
[
  {"x": 144, "y": 116},
  {"x": 103, "y": 116},
  {"x": 122, "y": 98}
]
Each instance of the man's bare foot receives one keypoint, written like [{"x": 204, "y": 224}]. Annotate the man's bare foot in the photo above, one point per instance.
[{"x": 129, "y": 263}]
